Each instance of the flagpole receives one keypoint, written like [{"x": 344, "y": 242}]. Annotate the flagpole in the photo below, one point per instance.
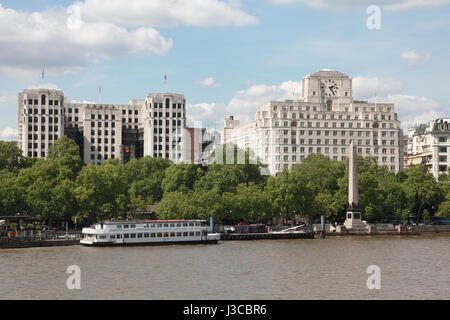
[{"x": 165, "y": 82}]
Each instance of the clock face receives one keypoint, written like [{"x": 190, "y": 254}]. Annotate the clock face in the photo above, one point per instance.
[{"x": 329, "y": 88}]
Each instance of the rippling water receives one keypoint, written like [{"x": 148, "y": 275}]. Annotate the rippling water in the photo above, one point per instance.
[{"x": 414, "y": 267}]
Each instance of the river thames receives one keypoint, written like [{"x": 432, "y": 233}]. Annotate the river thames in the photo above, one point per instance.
[{"x": 412, "y": 267}]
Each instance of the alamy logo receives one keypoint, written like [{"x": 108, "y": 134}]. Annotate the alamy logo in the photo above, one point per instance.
[
  {"x": 374, "y": 280},
  {"x": 374, "y": 20},
  {"x": 74, "y": 280}
]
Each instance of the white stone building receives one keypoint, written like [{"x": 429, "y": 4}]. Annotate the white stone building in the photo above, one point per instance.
[
  {"x": 151, "y": 127},
  {"x": 325, "y": 120},
  {"x": 431, "y": 147}
]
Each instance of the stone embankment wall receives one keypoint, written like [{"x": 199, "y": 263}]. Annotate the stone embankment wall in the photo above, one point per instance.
[{"x": 432, "y": 228}]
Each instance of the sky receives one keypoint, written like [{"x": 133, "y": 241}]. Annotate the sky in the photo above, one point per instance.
[{"x": 226, "y": 57}]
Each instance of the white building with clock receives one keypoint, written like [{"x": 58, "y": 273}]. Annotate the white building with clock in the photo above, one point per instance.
[{"x": 324, "y": 120}]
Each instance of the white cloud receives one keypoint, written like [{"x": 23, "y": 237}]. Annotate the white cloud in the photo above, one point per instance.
[
  {"x": 413, "y": 110},
  {"x": 210, "y": 82},
  {"x": 244, "y": 104},
  {"x": 8, "y": 99},
  {"x": 8, "y": 134},
  {"x": 163, "y": 13},
  {"x": 364, "y": 88},
  {"x": 413, "y": 57},
  {"x": 386, "y": 4},
  {"x": 416, "y": 4},
  {"x": 31, "y": 41},
  {"x": 410, "y": 109},
  {"x": 82, "y": 102},
  {"x": 48, "y": 86}
]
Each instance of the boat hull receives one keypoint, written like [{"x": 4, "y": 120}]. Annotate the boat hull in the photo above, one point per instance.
[{"x": 141, "y": 244}]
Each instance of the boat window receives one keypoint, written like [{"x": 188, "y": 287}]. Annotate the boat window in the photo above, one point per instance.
[
  {"x": 178, "y": 224},
  {"x": 197, "y": 224},
  {"x": 146, "y": 235},
  {"x": 113, "y": 236},
  {"x": 166, "y": 225},
  {"x": 159, "y": 235},
  {"x": 126, "y": 226},
  {"x": 172, "y": 234},
  {"x": 191, "y": 224},
  {"x": 172, "y": 225},
  {"x": 179, "y": 234},
  {"x": 119, "y": 226},
  {"x": 133, "y": 226},
  {"x": 126, "y": 236},
  {"x": 153, "y": 235},
  {"x": 197, "y": 233},
  {"x": 119, "y": 236},
  {"x": 139, "y": 235},
  {"x": 185, "y": 224},
  {"x": 102, "y": 237},
  {"x": 146, "y": 225},
  {"x": 133, "y": 235},
  {"x": 191, "y": 234},
  {"x": 185, "y": 234},
  {"x": 166, "y": 234}
]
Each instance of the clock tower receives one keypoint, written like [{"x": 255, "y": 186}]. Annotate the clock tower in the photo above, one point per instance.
[{"x": 329, "y": 88}]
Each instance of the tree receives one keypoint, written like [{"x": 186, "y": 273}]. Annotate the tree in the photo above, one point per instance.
[
  {"x": 144, "y": 177},
  {"x": 250, "y": 204},
  {"x": 67, "y": 154},
  {"x": 47, "y": 191},
  {"x": 289, "y": 195},
  {"x": 322, "y": 177},
  {"x": 176, "y": 205},
  {"x": 181, "y": 177},
  {"x": 11, "y": 158},
  {"x": 101, "y": 192},
  {"x": 422, "y": 191}
]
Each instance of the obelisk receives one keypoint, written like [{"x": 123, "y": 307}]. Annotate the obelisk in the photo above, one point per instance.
[{"x": 353, "y": 219}]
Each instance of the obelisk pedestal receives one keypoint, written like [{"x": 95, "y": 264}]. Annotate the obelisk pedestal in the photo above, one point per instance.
[{"x": 353, "y": 219}]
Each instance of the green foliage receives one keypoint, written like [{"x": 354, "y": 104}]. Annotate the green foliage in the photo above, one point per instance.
[
  {"x": 181, "y": 177},
  {"x": 145, "y": 176},
  {"x": 11, "y": 158},
  {"x": 67, "y": 153},
  {"x": 422, "y": 191},
  {"x": 100, "y": 192},
  {"x": 61, "y": 188}
]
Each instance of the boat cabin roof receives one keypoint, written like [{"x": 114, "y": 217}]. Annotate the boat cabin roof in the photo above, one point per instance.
[{"x": 149, "y": 221}]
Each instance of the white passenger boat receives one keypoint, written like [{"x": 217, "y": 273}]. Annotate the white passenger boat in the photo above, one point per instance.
[{"x": 148, "y": 233}]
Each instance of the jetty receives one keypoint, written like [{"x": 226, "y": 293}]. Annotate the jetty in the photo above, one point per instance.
[{"x": 267, "y": 236}]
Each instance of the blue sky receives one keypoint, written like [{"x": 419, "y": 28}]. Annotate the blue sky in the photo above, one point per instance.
[{"x": 226, "y": 57}]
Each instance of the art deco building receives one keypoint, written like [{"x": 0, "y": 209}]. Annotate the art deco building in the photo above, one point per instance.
[
  {"x": 153, "y": 127},
  {"x": 324, "y": 120},
  {"x": 431, "y": 147}
]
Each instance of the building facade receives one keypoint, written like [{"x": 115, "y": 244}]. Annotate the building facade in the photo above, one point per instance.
[
  {"x": 431, "y": 147},
  {"x": 151, "y": 127},
  {"x": 324, "y": 120}
]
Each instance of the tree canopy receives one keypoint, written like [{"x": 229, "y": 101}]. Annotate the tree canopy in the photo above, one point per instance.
[{"x": 62, "y": 188}]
